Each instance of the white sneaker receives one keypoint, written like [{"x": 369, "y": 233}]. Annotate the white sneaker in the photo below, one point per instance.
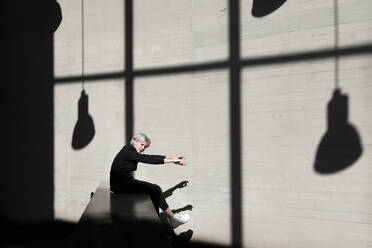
[{"x": 179, "y": 219}]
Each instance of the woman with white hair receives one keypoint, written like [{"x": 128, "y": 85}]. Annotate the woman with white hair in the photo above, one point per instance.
[{"x": 125, "y": 162}]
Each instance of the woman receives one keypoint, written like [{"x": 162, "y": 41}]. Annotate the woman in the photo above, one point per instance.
[{"x": 125, "y": 162}]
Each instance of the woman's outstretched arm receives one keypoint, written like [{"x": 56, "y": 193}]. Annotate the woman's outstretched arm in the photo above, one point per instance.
[{"x": 175, "y": 159}]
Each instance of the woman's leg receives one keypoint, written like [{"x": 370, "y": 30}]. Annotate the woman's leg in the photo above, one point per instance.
[
  {"x": 169, "y": 212},
  {"x": 155, "y": 192},
  {"x": 134, "y": 186}
]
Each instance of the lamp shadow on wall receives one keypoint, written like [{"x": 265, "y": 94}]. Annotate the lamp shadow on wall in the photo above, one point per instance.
[
  {"x": 261, "y": 8},
  {"x": 340, "y": 147},
  {"x": 84, "y": 128}
]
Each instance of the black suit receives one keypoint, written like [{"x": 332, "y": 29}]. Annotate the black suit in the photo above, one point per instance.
[{"x": 121, "y": 181}]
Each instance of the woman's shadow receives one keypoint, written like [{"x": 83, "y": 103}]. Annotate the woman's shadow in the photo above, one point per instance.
[{"x": 181, "y": 239}]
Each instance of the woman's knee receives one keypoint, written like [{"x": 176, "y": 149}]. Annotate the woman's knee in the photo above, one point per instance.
[
  {"x": 149, "y": 188},
  {"x": 155, "y": 190}
]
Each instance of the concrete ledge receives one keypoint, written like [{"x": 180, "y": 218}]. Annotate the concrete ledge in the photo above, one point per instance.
[{"x": 119, "y": 220}]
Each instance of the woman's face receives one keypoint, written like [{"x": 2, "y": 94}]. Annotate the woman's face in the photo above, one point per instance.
[{"x": 140, "y": 146}]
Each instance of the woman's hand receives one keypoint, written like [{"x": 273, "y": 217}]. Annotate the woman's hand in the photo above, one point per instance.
[
  {"x": 181, "y": 162},
  {"x": 176, "y": 160},
  {"x": 177, "y": 157}
]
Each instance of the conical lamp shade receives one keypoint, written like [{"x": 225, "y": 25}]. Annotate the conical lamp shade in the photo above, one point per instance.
[
  {"x": 84, "y": 128},
  {"x": 340, "y": 146}
]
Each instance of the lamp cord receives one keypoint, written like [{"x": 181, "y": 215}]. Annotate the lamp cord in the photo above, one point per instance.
[
  {"x": 336, "y": 33},
  {"x": 82, "y": 44}
]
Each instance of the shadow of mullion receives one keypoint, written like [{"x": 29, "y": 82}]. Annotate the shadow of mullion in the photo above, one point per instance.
[
  {"x": 235, "y": 124},
  {"x": 129, "y": 77},
  {"x": 256, "y": 61}
]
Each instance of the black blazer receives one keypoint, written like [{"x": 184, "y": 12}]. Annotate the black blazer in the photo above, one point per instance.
[{"x": 128, "y": 157}]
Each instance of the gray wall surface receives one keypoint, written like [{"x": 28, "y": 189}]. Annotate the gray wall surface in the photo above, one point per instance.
[{"x": 181, "y": 98}]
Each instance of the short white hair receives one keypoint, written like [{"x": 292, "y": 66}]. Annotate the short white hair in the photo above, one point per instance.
[{"x": 141, "y": 137}]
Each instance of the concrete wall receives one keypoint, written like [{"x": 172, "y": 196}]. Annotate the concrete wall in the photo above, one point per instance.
[
  {"x": 78, "y": 172},
  {"x": 285, "y": 202}
]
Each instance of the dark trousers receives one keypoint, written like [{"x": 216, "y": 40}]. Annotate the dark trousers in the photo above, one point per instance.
[{"x": 127, "y": 184}]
